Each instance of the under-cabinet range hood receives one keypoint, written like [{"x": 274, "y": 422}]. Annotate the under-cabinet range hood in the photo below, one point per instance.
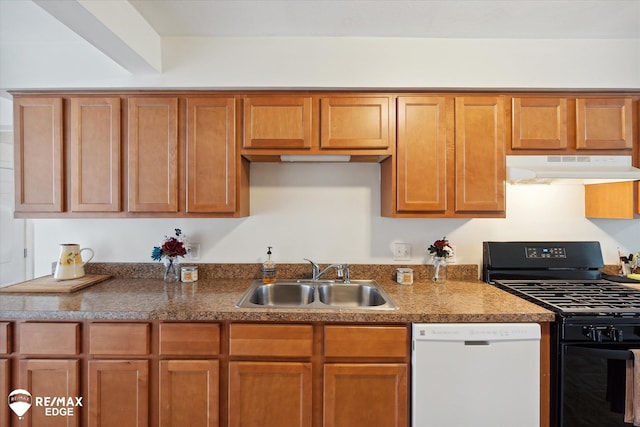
[{"x": 570, "y": 169}]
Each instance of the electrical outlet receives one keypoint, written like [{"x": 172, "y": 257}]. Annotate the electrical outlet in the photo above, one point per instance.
[{"x": 402, "y": 252}]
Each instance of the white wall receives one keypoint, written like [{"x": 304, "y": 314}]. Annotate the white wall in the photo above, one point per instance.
[{"x": 331, "y": 212}]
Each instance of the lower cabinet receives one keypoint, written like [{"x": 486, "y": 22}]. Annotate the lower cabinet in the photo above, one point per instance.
[
  {"x": 118, "y": 393},
  {"x": 5, "y": 370},
  {"x": 266, "y": 394},
  {"x": 365, "y": 376},
  {"x": 365, "y": 395},
  {"x": 189, "y": 393},
  {"x": 51, "y": 378},
  {"x": 206, "y": 374}
]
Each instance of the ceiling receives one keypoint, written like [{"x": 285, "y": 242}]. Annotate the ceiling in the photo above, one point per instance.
[{"x": 394, "y": 18}]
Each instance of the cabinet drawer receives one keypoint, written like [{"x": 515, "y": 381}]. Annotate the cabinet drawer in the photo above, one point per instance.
[
  {"x": 49, "y": 339},
  {"x": 5, "y": 333},
  {"x": 366, "y": 341},
  {"x": 271, "y": 340},
  {"x": 189, "y": 339},
  {"x": 119, "y": 339}
]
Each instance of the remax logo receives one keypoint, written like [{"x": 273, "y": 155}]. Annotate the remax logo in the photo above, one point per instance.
[{"x": 20, "y": 401}]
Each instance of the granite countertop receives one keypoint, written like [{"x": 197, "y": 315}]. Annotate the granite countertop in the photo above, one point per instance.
[{"x": 213, "y": 298}]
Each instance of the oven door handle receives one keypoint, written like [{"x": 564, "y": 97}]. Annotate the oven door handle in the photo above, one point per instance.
[{"x": 600, "y": 352}]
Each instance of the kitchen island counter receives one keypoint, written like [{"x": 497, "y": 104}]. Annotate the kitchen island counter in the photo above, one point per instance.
[{"x": 215, "y": 299}]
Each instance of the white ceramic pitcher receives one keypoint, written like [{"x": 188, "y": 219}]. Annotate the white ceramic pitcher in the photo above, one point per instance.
[{"x": 70, "y": 264}]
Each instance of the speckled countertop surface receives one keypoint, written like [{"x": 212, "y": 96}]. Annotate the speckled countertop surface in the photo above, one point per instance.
[{"x": 134, "y": 296}]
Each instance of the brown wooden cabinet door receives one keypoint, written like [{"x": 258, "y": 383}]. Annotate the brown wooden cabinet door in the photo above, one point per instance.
[
  {"x": 270, "y": 394},
  {"x": 41, "y": 378},
  {"x": 610, "y": 200},
  {"x": 480, "y": 154},
  {"x": 424, "y": 155},
  {"x": 38, "y": 154},
  {"x": 282, "y": 122},
  {"x": 95, "y": 154},
  {"x": 118, "y": 393},
  {"x": 189, "y": 393},
  {"x": 604, "y": 123},
  {"x": 153, "y": 154},
  {"x": 354, "y": 123},
  {"x": 5, "y": 385},
  {"x": 365, "y": 395},
  {"x": 539, "y": 123},
  {"x": 211, "y": 155}
]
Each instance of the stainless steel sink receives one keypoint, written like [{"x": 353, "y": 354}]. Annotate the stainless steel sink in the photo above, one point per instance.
[
  {"x": 282, "y": 295},
  {"x": 364, "y": 294},
  {"x": 349, "y": 295}
]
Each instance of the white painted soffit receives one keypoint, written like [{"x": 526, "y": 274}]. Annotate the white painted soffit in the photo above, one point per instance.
[{"x": 115, "y": 28}]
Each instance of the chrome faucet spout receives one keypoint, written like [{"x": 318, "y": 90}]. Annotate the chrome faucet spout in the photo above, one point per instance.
[
  {"x": 315, "y": 269},
  {"x": 342, "y": 271}
]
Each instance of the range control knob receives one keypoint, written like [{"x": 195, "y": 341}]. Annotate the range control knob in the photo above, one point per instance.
[
  {"x": 615, "y": 334},
  {"x": 593, "y": 333}
]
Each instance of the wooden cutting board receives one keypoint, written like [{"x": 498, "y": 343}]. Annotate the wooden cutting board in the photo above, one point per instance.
[{"x": 49, "y": 284}]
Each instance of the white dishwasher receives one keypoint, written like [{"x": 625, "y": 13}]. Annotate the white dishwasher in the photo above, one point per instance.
[{"x": 476, "y": 375}]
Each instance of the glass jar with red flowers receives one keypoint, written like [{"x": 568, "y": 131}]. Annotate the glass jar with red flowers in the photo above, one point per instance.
[
  {"x": 168, "y": 252},
  {"x": 440, "y": 250}
]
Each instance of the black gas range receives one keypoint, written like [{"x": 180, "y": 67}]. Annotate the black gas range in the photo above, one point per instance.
[{"x": 597, "y": 323}]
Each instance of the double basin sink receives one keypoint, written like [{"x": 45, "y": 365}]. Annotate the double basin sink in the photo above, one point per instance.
[{"x": 364, "y": 294}]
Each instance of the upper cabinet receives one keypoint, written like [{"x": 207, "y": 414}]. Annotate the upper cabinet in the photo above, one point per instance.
[
  {"x": 539, "y": 123},
  {"x": 450, "y": 158},
  {"x": 95, "y": 159},
  {"x": 38, "y": 124},
  {"x": 129, "y": 155},
  {"x": 354, "y": 123},
  {"x": 187, "y": 153},
  {"x": 357, "y": 125},
  {"x": 277, "y": 122},
  {"x": 604, "y": 123},
  {"x": 572, "y": 125},
  {"x": 424, "y": 153},
  {"x": 153, "y": 154},
  {"x": 212, "y": 160}
]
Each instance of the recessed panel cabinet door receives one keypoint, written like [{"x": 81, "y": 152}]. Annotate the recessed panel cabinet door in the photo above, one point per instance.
[
  {"x": 539, "y": 123},
  {"x": 422, "y": 153},
  {"x": 42, "y": 377},
  {"x": 95, "y": 154},
  {"x": 118, "y": 393},
  {"x": 604, "y": 123},
  {"x": 38, "y": 154},
  {"x": 354, "y": 122},
  {"x": 365, "y": 395},
  {"x": 270, "y": 394},
  {"x": 189, "y": 393},
  {"x": 211, "y": 155},
  {"x": 153, "y": 154},
  {"x": 282, "y": 122},
  {"x": 480, "y": 154},
  {"x": 5, "y": 373}
]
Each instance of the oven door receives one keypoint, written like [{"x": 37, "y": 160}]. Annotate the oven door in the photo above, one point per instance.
[{"x": 592, "y": 382}]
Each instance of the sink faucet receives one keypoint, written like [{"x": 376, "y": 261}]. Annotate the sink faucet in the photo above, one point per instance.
[{"x": 342, "y": 271}]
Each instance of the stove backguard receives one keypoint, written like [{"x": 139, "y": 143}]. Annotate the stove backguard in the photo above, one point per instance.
[{"x": 541, "y": 260}]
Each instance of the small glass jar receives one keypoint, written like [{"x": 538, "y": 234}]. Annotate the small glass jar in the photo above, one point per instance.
[
  {"x": 404, "y": 276},
  {"x": 189, "y": 274}
]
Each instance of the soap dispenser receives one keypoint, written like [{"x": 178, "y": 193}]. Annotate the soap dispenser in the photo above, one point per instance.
[{"x": 268, "y": 269}]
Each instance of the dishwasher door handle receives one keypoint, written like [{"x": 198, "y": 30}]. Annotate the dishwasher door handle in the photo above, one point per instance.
[{"x": 477, "y": 343}]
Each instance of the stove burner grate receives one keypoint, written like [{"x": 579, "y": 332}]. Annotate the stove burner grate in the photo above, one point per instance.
[{"x": 590, "y": 297}]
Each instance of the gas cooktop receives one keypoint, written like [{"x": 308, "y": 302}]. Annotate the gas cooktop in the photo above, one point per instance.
[{"x": 577, "y": 297}]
